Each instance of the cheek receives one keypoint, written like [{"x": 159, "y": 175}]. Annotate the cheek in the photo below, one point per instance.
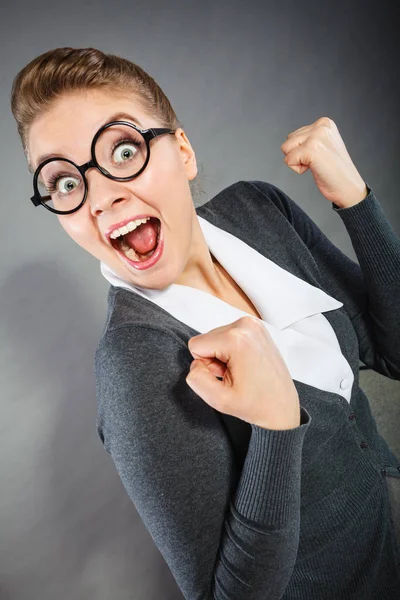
[
  {"x": 81, "y": 230},
  {"x": 160, "y": 181},
  {"x": 164, "y": 166}
]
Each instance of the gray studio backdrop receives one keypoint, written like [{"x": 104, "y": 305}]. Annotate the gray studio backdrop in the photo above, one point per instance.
[{"x": 241, "y": 76}]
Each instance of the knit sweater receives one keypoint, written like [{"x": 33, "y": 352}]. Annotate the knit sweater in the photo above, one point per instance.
[{"x": 241, "y": 512}]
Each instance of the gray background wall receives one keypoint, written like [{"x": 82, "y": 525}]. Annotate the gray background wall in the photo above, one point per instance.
[{"x": 241, "y": 76}]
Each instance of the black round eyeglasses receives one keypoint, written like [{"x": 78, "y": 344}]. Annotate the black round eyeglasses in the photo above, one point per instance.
[{"x": 119, "y": 150}]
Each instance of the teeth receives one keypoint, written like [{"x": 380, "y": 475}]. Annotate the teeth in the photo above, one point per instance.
[
  {"x": 131, "y": 253},
  {"x": 128, "y": 227},
  {"x": 128, "y": 251}
]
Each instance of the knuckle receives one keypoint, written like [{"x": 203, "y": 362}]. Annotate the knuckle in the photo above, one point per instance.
[
  {"x": 248, "y": 326},
  {"x": 243, "y": 327},
  {"x": 237, "y": 334},
  {"x": 249, "y": 320},
  {"x": 315, "y": 140},
  {"x": 239, "y": 339},
  {"x": 323, "y": 121}
]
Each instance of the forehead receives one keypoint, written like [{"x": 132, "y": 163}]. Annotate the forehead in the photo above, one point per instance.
[{"x": 68, "y": 127}]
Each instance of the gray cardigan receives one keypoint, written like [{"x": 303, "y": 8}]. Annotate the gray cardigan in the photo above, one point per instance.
[{"x": 243, "y": 512}]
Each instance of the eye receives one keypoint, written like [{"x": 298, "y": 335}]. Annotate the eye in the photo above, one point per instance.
[
  {"x": 63, "y": 185},
  {"x": 124, "y": 151},
  {"x": 67, "y": 184}
]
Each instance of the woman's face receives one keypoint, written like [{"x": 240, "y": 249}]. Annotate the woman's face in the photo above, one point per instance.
[{"x": 161, "y": 190}]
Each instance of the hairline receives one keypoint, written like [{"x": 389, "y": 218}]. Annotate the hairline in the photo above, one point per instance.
[{"x": 114, "y": 117}]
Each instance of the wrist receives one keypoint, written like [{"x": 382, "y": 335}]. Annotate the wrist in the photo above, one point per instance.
[{"x": 354, "y": 197}]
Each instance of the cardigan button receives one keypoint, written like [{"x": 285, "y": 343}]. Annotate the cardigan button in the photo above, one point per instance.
[
  {"x": 344, "y": 384},
  {"x": 352, "y": 416},
  {"x": 363, "y": 444},
  {"x": 383, "y": 471}
]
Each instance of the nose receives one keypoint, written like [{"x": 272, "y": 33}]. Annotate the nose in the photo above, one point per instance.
[{"x": 103, "y": 192}]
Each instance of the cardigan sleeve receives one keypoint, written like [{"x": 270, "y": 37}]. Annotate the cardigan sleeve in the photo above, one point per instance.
[
  {"x": 176, "y": 463},
  {"x": 370, "y": 290}
]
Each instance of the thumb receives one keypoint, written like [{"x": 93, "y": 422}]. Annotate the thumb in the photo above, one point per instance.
[{"x": 204, "y": 383}]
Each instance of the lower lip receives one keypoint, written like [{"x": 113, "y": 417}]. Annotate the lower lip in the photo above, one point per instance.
[{"x": 146, "y": 264}]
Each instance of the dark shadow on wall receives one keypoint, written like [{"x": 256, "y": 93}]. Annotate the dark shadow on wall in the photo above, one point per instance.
[{"x": 70, "y": 530}]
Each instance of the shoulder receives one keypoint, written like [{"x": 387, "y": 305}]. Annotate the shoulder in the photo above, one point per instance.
[
  {"x": 131, "y": 356},
  {"x": 131, "y": 316},
  {"x": 136, "y": 344},
  {"x": 257, "y": 201},
  {"x": 263, "y": 194}
]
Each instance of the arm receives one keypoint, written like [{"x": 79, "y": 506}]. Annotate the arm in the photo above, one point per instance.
[
  {"x": 370, "y": 292},
  {"x": 176, "y": 464}
]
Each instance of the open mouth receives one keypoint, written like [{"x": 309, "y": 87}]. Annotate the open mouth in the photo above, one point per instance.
[{"x": 123, "y": 247}]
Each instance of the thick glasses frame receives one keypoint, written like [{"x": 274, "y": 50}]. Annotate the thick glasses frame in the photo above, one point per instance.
[{"x": 148, "y": 134}]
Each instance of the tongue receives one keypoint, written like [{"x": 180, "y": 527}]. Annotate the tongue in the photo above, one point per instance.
[{"x": 143, "y": 239}]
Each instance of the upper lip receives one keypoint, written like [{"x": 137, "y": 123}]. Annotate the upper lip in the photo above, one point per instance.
[{"x": 109, "y": 231}]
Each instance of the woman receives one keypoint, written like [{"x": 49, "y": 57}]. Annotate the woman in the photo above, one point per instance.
[{"x": 262, "y": 474}]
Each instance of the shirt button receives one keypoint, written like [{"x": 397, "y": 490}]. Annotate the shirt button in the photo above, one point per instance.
[
  {"x": 344, "y": 384},
  {"x": 352, "y": 416},
  {"x": 363, "y": 444},
  {"x": 383, "y": 471}
]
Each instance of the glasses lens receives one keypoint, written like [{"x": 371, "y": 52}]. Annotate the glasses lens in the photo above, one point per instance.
[
  {"x": 60, "y": 185},
  {"x": 121, "y": 150}
]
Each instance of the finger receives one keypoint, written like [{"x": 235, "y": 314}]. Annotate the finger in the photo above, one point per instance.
[
  {"x": 217, "y": 369},
  {"x": 300, "y": 130},
  {"x": 294, "y": 142},
  {"x": 198, "y": 343},
  {"x": 325, "y": 121},
  {"x": 213, "y": 364},
  {"x": 213, "y": 344},
  {"x": 206, "y": 385},
  {"x": 298, "y": 160}
]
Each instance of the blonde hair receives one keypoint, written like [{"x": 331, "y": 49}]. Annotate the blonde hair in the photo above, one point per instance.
[{"x": 62, "y": 70}]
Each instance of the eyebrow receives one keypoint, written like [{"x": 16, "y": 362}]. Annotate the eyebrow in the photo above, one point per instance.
[{"x": 119, "y": 116}]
